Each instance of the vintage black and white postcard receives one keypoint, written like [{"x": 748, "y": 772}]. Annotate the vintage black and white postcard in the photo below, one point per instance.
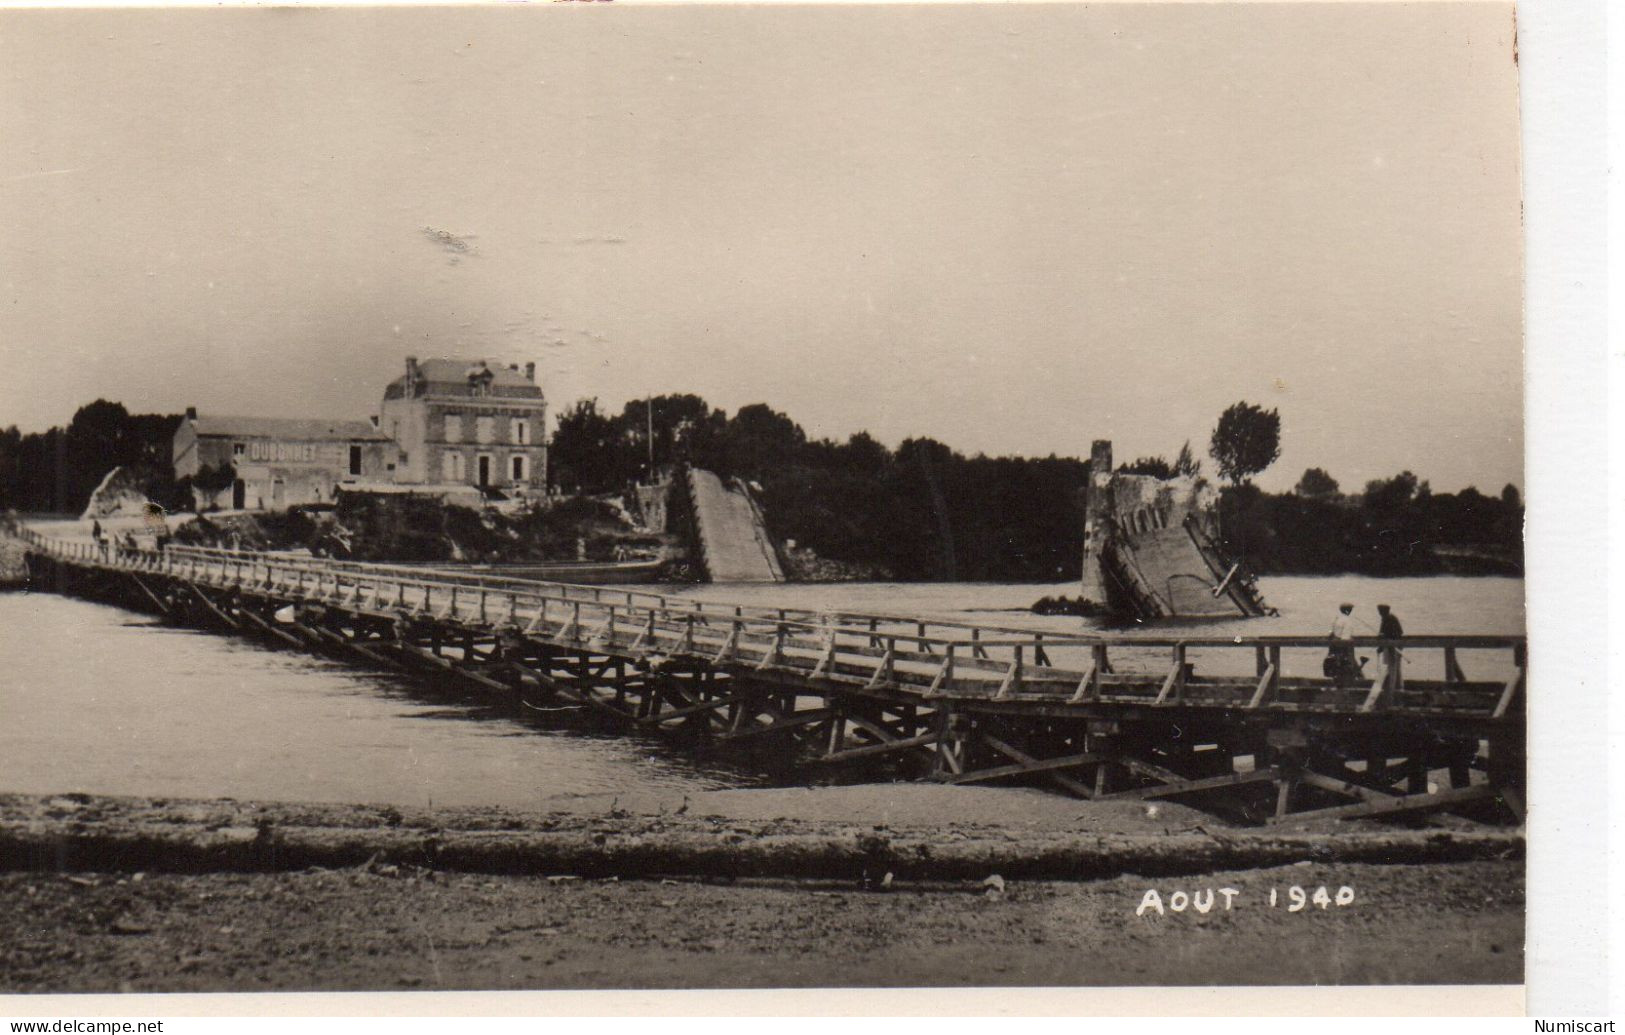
[{"x": 600, "y": 496}]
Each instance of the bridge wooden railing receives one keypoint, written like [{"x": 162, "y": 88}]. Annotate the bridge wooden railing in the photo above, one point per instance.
[{"x": 881, "y": 653}]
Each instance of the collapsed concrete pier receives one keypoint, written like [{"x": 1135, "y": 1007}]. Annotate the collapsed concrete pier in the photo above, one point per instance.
[{"x": 1150, "y": 548}]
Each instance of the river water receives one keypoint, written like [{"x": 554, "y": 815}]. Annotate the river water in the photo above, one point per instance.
[{"x": 106, "y": 701}]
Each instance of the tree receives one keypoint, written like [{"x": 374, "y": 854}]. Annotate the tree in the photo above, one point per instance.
[
  {"x": 863, "y": 452},
  {"x": 1186, "y": 463},
  {"x": 209, "y": 481},
  {"x": 1247, "y": 440},
  {"x": 686, "y": 428},
  {"x": 1316, "y": 484},
  {"x": 1510, "y": 496},
  {"x": 759, "y": 439},
  {"x": 1155, "y": 466},
  {"x": 1392, "y": 494},
  {"x": 588, "y": 454}
]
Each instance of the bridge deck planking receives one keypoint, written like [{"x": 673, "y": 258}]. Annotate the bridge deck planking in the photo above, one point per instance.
[
  {"x": 829, "y": 646},
  {"x": 883, "y": 685}
]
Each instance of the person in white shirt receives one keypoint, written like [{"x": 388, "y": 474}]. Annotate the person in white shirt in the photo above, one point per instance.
[
  {"x": 1343, "y": 624},
  {"x": 1340, "y": 662}
]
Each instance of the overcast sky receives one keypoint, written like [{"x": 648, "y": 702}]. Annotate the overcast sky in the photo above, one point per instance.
[{"x": 1011, "y": 228}]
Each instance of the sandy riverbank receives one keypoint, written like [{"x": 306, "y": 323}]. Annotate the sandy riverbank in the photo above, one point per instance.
[
  {"x": 856, "y": 834},
  {"x": 119, "y": 893}
]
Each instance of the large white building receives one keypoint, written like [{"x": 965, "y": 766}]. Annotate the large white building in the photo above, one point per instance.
[{"x": 463, "y": 422}]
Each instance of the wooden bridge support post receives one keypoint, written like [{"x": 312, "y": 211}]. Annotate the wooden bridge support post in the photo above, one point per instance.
[
  {"x": 1461, "y": 763},
  {"x": 1101, "y": 739},
  {"x": 951, "y": 728},
  {"x": 836, "y": 741},
  {"x": 1288, "y": 750},
  {"x": 1416, "y": 773},
  {"x": 1505, "y": 769}
]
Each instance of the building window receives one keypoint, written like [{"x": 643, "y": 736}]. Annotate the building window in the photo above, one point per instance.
[
  {"x": 521, "y": 431},
  {"x": 485, "y": 470},
  {"x": 519, "y": 469},
  {"x": 238, "y": 449},
  {"x": 454, "y": 429},
  {"x": 355, "y": 459},
  {"x": 452, "y": 467},
  {"x": 485, "y": 429}
]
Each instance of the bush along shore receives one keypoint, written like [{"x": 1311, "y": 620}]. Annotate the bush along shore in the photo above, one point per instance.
[{"x": 424, "y": 529}]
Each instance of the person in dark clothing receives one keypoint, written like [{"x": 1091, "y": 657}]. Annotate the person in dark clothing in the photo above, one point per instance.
[
  {"x": 1390, "y": 628},
  {"x": 1392, "y": 657}
]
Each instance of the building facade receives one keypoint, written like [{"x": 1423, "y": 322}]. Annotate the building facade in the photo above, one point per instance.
[
  {"x": 278, "y": 462},
  {"x": 469, "y": 423},
  {"x": 445, "y": 424}
]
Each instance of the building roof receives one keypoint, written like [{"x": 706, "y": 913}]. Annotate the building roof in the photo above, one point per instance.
[
  {"x": 299, "y": 428},
  {"x": 450, "y": 376}
]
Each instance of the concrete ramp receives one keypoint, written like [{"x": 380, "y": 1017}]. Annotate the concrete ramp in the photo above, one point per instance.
[
  {"x": 733, "y": 537},
  {"x": 1168, "y": 573}
]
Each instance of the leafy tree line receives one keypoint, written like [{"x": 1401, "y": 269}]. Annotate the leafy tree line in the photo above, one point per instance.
[
  {"x": 1396, "y": 526},
  {"x": 925, "y": 511},
  {"x": 58, "y": 469},
  {"x": 922, "y": 511}
]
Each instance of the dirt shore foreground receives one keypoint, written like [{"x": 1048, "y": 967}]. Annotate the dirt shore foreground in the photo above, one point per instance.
[
  {"x": 708, "y": 838},
  {"x": 389, "y": 929},
  {"x": 111, "y": 894}
]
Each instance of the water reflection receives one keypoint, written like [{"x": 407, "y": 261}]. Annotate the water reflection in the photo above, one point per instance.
[{"x": 95, "y": 700}]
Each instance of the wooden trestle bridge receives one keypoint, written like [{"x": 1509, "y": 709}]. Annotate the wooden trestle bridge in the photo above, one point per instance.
[{"x": 1244, "y": 726}]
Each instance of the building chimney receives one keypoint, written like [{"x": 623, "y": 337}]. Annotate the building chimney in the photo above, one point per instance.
[
  {"x": 191, "y": 413},
  {"x": 1100, "y": 457},
  {"x": 530, "y": 371}
]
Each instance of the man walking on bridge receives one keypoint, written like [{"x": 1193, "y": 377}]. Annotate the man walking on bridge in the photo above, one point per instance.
[{"x": 1390, "y": 629}]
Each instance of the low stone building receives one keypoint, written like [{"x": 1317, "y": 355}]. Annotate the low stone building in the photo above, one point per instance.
[{"x": 280, "y": 462}]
